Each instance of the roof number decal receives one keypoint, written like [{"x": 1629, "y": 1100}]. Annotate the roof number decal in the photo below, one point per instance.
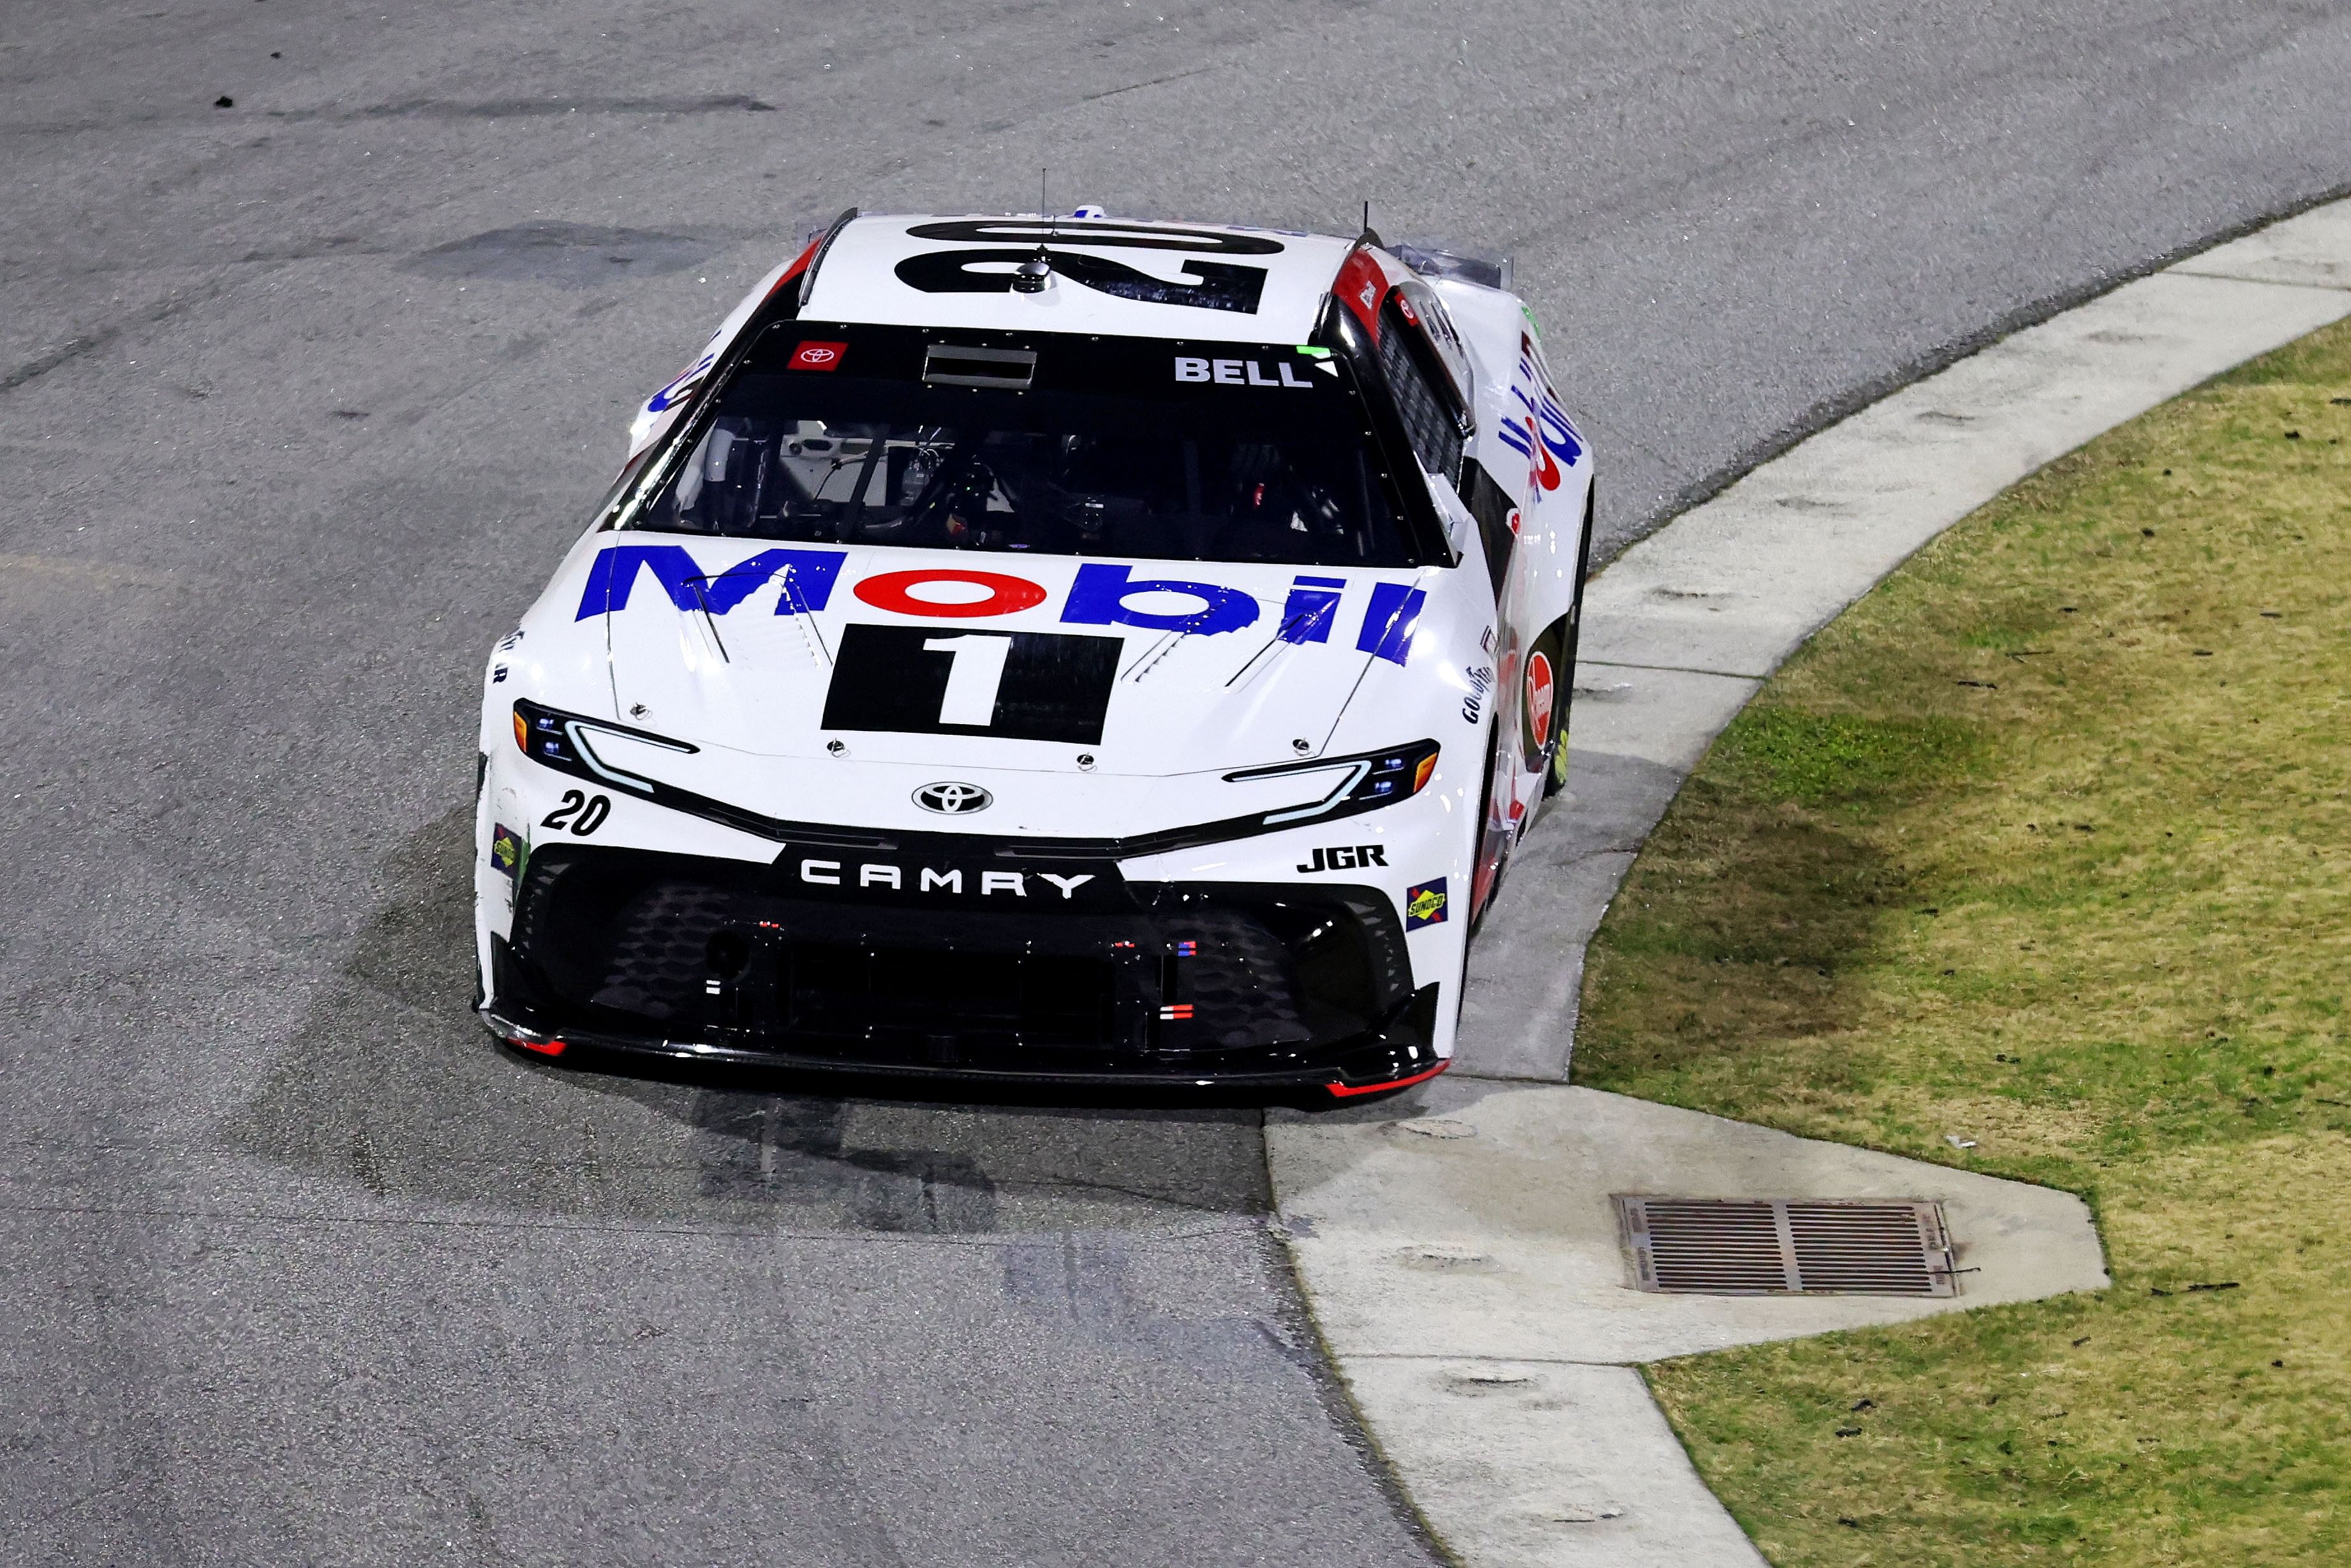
[
  {"x": 1103, "y": 235},
  {"x": 1215, "y": 286},
  {"x": 1211, "y": 286}
]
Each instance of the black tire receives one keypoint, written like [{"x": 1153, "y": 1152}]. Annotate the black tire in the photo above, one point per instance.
[
  {"x": 1478, "y": 850},
  {"x": 1570, "y": 630}
]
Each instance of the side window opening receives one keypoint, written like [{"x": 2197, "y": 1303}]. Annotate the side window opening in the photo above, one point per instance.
[{"x": 1429, "y": 421}]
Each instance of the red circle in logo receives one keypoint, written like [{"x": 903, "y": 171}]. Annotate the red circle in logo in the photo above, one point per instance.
[
  {"x": 1005, "y": 594},
  {"x": 1539, "y": 697}
]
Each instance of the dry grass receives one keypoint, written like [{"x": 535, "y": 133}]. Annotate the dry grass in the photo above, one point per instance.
[{"x": 2044, "y": 844}]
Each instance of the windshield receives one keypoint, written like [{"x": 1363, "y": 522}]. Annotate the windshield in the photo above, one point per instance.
[{"x": 1063, "y": 444}]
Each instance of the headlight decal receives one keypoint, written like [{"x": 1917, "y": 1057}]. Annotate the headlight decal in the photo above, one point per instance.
[
  {"x": 1370, "y": 780},
  {"x": 559, "y": 740}
]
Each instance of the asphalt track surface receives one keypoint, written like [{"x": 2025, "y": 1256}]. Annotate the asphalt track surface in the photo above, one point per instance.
[{"x": 302, "y": 398}]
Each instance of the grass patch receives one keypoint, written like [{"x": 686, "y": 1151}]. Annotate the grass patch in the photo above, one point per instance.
[{"x": 2045, "y": 844}]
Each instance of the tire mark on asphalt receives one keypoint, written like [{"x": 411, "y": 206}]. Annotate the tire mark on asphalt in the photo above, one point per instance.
[
  {"x": 1139, "y": 86},
  {"x": 414, "y": 108},
  {"x": 779, "y": 1149},
  {"x": 527, "y": 108},
  {"x": 89, "y": 342}
]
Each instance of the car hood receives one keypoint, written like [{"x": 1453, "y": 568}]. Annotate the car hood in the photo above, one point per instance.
[{"x": 1145, "y": 668}]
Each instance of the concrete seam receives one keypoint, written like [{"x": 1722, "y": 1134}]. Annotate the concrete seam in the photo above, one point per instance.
[
  {"x": 1671, "y": 669},
  {"x": 2244, "y": 277}
]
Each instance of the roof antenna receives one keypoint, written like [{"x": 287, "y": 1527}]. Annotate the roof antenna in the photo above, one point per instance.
[
  {"x": 1367, "y": 236},
  {"x": 1035, "y": 275}
]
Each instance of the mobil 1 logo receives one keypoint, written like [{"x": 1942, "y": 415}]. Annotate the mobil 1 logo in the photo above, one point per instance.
[{"x": 933, "y": 680}]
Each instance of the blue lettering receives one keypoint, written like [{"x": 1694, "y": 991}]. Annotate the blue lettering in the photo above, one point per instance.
[
  {"x": 1099, "y": 596},
  {"x": 1313, "y": 605},
  {"x": 808, "y": 577},
  {"x": 1388, "y": 623},
  {"x": 1566, "y": 447},
  {"x": 614, "y": 573},
  {"x": 678, "y": 390}
]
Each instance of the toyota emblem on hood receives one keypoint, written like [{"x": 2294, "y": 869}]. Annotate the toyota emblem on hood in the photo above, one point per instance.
[{"x": 951, "y": 799}]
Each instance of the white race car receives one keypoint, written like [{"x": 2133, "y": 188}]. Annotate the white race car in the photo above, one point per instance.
[{"x": 1046, "y": 648}]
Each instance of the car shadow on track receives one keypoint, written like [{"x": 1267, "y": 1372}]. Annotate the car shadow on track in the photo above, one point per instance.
[{"x": 387, "y": 1082}]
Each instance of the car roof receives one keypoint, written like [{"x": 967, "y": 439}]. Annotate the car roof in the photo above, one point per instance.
[{"x": 933, "y": 270}]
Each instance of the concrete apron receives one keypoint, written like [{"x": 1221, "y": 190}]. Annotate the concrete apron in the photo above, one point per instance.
[{"x": 1456, "y": 1244}]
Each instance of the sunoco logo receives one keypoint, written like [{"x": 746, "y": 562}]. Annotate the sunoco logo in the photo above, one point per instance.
[{"x": 953, "y": 800}]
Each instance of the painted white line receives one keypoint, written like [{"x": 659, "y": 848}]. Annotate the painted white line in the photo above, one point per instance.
[{"x": 1452, "y": 1243}]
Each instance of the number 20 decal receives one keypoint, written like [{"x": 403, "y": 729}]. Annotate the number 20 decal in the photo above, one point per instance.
[{"x": 583, "y": 814}]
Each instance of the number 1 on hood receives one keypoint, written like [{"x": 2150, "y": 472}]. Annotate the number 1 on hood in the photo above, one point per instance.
[{"x": 973, "y": 678}]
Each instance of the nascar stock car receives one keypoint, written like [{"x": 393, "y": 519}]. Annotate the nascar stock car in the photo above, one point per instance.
[{"x": 1047, "y": 648}]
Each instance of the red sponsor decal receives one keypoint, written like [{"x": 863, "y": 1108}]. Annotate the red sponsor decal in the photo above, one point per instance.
[
  {"x": 813, "y": 356},
  {"x": 1003, "y": 595},
  {"x": 1359, "y": 286},
  {"x": 1546, "y": 468},
  {"x": 1539, "y": 697},
  {"x": 799, "y": 265}
]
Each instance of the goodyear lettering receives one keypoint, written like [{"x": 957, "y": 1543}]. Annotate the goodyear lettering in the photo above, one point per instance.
[{"x": 1482, "y": 681}]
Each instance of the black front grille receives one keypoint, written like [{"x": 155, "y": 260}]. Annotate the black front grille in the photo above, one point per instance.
[
  {"x": 844, "y": 991},
  {"x": 1141, "y": 976}
]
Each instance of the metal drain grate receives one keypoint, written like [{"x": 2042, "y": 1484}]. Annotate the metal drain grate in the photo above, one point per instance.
[{"x": 1767, "y": 1247}]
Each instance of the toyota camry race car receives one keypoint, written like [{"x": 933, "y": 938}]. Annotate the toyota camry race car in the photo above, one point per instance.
[{"x": 1069, "y": 649}]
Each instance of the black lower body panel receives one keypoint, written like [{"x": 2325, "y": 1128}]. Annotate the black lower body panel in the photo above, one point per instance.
[{"x": 1235, "y": 984}]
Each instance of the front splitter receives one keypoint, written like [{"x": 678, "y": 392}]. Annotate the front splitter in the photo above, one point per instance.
[{"x": 1376, "y": 1067}]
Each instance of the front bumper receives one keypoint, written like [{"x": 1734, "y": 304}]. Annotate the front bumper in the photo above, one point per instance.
[{"x": 1252, "y": 986}]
